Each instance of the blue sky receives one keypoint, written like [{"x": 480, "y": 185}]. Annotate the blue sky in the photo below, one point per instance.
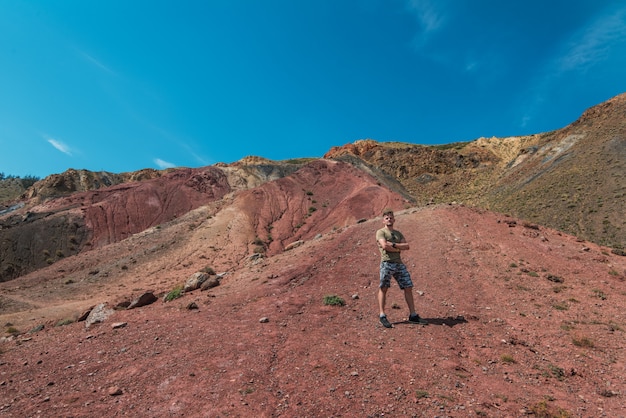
[{"x": 121, "y": 85}]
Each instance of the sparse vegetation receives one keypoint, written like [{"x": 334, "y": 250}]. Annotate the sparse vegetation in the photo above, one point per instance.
[
  {"x": 64, "y": 322},
  {"x": 420, "y": 394},
  {"x": 175, "y": 293},
  {"x": 334, "y": 300},
  {"x": 208, "y": 270},
  {"x": 507, "y": 358},
  {"x": 556, "y": 372},
  {"x": 583, "y": 342},
  {"x": 543, "y": 410},
  {"x": 12, "y": 330}
]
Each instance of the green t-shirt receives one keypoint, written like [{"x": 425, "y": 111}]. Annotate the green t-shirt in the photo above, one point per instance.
[{"x": 391, "y": 236}]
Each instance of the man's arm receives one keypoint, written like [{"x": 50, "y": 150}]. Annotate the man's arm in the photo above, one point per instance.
[
  {"x": 403, "y": 245},
  {"x": 390, "y": 247}
]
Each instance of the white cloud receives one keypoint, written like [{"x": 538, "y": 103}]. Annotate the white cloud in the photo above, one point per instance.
[
  {"x": 64, "y": 148},
  {"x": 96, "y": 62},
  {"x": 429, "y": 18},
  {"x": 594, "y": 43},
  {"x": 163, "y": 164}
]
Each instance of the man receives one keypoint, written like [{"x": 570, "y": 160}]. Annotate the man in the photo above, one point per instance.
[{"x": 391, "y": 243}]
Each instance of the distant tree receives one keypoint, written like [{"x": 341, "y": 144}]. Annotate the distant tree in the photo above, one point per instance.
[
  {"x": 1, "y": 176},
  {"x": 29, "y": 180}
]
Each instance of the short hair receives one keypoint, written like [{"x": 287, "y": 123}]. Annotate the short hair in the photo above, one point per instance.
[{"x": 387, "y": 212}]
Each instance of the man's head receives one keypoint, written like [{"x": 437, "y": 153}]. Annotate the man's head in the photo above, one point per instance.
[{"x": 388, "y": 218}]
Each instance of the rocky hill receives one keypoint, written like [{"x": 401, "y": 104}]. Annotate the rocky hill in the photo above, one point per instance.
[
  {"x": 207, "y": 292},
  {"x": 572, "y": 179}
]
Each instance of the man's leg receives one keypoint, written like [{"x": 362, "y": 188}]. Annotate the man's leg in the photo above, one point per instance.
[
  {"x": 408, "y": 296},
  {"x": 382, "y": 300},
  {"x": 413, "y": 316}
]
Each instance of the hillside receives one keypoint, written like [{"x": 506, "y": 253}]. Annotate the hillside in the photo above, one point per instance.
[
  {"x": 525, "y": 318},
  {"x": 571, "y": 179}
]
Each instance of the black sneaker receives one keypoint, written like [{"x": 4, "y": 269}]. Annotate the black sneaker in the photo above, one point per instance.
[
  {"x": 385, "y": 322},
  {"x": 415, "y": 319}
]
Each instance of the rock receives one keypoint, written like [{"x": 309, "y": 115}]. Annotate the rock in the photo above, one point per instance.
[
  {"x": 192, "y": 306},
  {"x": 84, "y": 315},
  {"x": 37, "y": 329},
  {"x": 294, "y": 245},
  {"x": 115, "y": 391},
  {"x": 143, "y": 300},
  {"x": 123, "y": 305},
  {"x": 264, "y": 320},
  {"x": 195, "y": 281},
  {"x": 210, "y": 283},
  {"x": 118, "y": 325},
  {"x": 98, "y": 314}
]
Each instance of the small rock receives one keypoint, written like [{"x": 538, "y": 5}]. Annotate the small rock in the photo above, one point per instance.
[
  {"x": 210, "y": 283},
  {"x": 195, "y": 281},
  {"x": 98, "y": 314},
  {"x": 115, "y": 391},
  {"x": 355, "y": 296},
  {"x": 264, "y": 320},
  {"x": 192, "y": 306},
  {"x": 143, "y": 300},
  {"x": 85, "y": 315},
  {"x": 123, "y": 305},
  {"x": 36, "y": 329},
  {"x": 294, "y": 245},
  {"x": 119, "y": 325}
]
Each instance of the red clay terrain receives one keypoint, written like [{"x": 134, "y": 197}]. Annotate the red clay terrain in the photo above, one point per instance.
[
  {"x": 102, "y": 318},
  {"x": 524, "y": 320}
]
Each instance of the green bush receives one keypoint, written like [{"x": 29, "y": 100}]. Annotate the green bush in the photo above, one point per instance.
[
  {"x": 174, "y": 294},
  {"x": 334, "y": 300},
  {"x": 208, "y": 270}
]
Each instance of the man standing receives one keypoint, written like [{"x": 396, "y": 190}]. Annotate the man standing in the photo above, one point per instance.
[{"x": 391, "y": 243}]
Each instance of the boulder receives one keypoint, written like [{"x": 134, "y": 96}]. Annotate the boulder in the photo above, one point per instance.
[
  {"x": 195, "y": 281},
  {"x": 98, "y": 314},
  {"x": 143, "y": 300}
]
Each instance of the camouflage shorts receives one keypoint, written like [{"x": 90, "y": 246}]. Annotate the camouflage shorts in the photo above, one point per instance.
[{"x": 396, "y": 270}]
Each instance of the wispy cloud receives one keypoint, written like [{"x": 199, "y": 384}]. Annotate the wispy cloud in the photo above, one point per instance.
[
  {"x": 59, "y": 145},
  {"x": 594, "y": 43},
  {"x": 597, "y": 43},
  {"x": 97, "y": 63},
  {"x": 162, "y": 164},
  {"x": 429, "y": 18}
]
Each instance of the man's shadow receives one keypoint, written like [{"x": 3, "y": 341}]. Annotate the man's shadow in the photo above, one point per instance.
[{"x": 449, "y": 321}]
